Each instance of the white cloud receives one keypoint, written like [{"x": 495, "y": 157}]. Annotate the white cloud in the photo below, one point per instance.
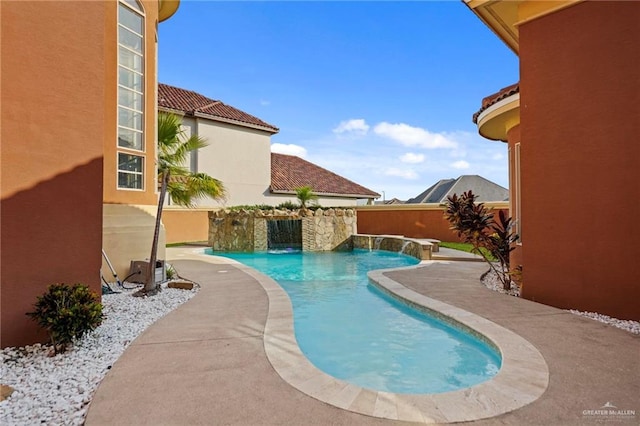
[
  {"x": 497, "y": 156},
  {"x": 354, "y": 126},
  {"x": 289, "y": 149},
  {"x": 414, "y": 136},
  {"x": 402, "y": 173},
  {"x": 412, "y": 158},
  {"x": 460, "y": 165},
  {"x": 265, "y": 102}
]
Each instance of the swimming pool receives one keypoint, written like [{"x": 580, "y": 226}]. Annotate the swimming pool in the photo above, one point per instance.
[{"x": 354, "y": 332}]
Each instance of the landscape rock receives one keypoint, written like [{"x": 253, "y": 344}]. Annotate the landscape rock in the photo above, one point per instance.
[{"x": 183, "y": 285}]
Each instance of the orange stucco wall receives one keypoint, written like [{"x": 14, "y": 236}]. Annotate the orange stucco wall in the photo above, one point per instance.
[
  {"x": 580, "y": 121},
  {"x": 417, "y": 221},
  {"x": 53, "y": 98},
  {"x": 185, "y": 225}
]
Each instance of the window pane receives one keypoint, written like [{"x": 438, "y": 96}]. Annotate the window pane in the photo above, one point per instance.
[
  {"x": 128, "y": 118},
  {"x": 130, "y": 79},
  {"x": 129, "y": 180},
  {"x": 129, "y": 59},
  {"x": 129, "y": 39},
  {"x": 134, "y": 4},
  {"x": 129, "y": 99},
  {"x": 130, "y": 19},
  {"x": 129, "y": 139},
  {"x": 130, "y": 163}
]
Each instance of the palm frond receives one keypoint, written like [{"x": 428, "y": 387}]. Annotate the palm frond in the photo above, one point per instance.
[{"x": 173, "y": 144}]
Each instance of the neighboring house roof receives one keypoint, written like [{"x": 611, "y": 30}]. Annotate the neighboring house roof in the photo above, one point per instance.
[
  {"x": 495, "y": 98},
  {"x": 289, "y": 172},
  {"x": 394, "y": 201},
  {"x": 192, "y": 103},
  {"x": 391, "y": 201},
  {"x": 483, "y": 188}
]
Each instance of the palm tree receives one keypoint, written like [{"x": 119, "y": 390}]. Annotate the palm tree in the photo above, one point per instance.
[
  {"x": 183, "y": 186},
  {"x": 305, "y": 194}
]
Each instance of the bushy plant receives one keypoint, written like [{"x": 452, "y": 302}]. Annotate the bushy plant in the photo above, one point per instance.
[
  {"x": 171, "y": 272},
  {"x": 476, "y": 225},
  {"x": 67, "y": 313},
  {"x": 251, "y": 207},
  {"x": 287, "y": 205}
]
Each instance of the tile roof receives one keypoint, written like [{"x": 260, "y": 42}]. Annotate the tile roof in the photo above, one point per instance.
[
  {"x": 289, "y": 172},
  {"x": 495, "y": 98},
  {"x": 192, "y": 103}
]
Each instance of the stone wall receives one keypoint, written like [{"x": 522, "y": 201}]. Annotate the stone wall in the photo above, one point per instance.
[
  {"x": 410, "y": 247},
  {"x": 329, "y": 229},
  {"x": 232, "y": 230},
  {"x": 247, "y": 231}
]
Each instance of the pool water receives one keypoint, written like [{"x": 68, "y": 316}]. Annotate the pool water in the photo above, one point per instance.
[{"x": 354, "y": 332}]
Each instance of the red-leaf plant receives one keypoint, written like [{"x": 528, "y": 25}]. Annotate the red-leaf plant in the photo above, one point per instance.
[{"x": 476, "y": 225}]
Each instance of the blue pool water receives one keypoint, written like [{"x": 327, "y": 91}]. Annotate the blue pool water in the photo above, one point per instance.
[{"x": 354, "y": 332}]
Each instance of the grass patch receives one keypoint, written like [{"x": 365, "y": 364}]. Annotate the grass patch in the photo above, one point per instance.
[
  {"x": 465, "y": 247},
  {"x": 188, "y": 243}
]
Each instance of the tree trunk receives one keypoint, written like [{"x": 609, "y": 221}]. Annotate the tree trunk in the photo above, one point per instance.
[{"x": 150, "y": 286}]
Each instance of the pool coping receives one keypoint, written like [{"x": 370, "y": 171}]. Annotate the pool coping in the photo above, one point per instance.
[{"x": 522, "y": 378}]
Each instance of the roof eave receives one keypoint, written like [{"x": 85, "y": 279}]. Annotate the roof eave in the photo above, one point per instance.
[
  {"x": 496, "y": 120},
  {"x": 504, "y": 17},
  {"x": 167, "y": 8},
  {"x": 326, "y": 194},
  {"x": 171, "y": 110},
  {"x": 272, "y": 130}
]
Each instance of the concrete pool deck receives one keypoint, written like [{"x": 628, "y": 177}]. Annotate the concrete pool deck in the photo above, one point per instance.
[{"x": 205, "y": 362}]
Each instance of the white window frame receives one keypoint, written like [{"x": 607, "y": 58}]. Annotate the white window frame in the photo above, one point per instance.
[
  {"x": 129, "y": 172},
  {"x": 517, "y": 177},
  {"x": 135, "y": 7}
]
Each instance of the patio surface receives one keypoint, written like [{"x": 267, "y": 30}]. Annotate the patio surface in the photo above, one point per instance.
[{"x": 205, "y": 362}]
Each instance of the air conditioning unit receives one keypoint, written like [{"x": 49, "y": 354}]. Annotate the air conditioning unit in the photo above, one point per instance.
[{"x": 139, "y": 270}]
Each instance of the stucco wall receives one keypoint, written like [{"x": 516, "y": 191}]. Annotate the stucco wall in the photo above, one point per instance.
[
  {"x": 415, "y": 221},
  {"x": 53, "y": 130},
  {"x": 239, "y": 157},
  {"x": 127, "y": 234},
  {"x": 185, "y": 225},
  {"x": 580, "y": 97}
]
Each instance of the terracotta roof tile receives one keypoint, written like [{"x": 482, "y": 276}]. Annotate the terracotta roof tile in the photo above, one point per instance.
[
  {"x": 192, "y": 103},
  {"x": 289, "y": 172},
  {"x": 495, "y": 98}
]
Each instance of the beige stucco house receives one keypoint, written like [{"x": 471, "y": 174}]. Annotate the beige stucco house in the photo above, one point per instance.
[{"x": 239, "y": 154}]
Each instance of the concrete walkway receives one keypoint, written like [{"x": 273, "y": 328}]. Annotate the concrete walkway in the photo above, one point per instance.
[{"x": 205, "y": 362}]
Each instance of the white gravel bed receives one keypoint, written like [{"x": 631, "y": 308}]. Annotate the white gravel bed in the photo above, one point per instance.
[
  {"x": 628, "y": 325},
  {"x": 56, "y": 390},
  {"x": 490, "y": 280}
]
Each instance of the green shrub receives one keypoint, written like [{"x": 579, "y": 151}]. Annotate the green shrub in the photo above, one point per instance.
[
  {"x": 67, "y": 313},
  {"x": 253, "y": 207},
  {"x": 288, "y": 205}
]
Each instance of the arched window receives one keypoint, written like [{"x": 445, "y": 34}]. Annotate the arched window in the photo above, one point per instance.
[{"x": 131, "y": 24}]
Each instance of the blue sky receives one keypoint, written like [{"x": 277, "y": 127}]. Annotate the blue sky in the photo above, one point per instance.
[{"x": 381, "y": 93}]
